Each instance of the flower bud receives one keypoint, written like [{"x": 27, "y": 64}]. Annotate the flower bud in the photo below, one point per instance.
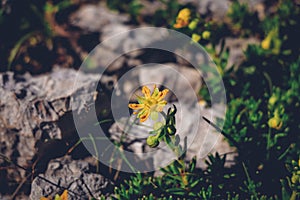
[
  {"x": 152, "y": 141},
  {"x": 266, "y": 43},
  {"x": 172, "y": 111},
  {"x": 196, "y": 38},
  {"x": 171, "y": 120},
  {"x": 295, "y": 179},
  {"x": 275, "y": 123},
  {"x": 171, "y": 130},
  {"x": 193, "y": 24},
  {"x": 272, "y": 100},
  {"x": 206, "y": 35}
]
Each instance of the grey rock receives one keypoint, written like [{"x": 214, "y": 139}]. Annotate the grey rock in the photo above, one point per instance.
[
  {"x": 71, "y": 175},
  {"x": 93, "y": 17},
  {"x": 119, "y": 39},
  {"x": 237, "y": 46},
  {"x": 150, "y": 7},
  {"x": 184, "y": 82},
  {"x": 107, "y": 59},
  {"x": 32, "y": 109},
  {"x": 217, "y": 8},
  {"x": 112, "y": 30}
]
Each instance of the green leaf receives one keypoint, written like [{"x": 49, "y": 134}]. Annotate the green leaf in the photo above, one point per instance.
[
  {"x": 178, "y": 191},
  {"x": 195, "y": 183},
  {"x": 16, "y": 48},
  {"x": 193, "y": 164}
]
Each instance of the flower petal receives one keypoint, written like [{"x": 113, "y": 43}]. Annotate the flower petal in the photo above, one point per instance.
[
  {"x": 162, "y": 103},
  {"x": 155, "y": 92},
  {"x": 64, "y": 195},
  {"x": 135, "y": 106},
  {"x": 163, "y": 94},
  {"x": 141, "y": 112},
  {"x": 144, "y": 116},
  {"x": 146, "y": 91},
  {"x": 141, "y": 100}
]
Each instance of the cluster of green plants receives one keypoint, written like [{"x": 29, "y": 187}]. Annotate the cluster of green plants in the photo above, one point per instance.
[
  {"x": 36, "y": 28},
  {"x": 33, "y": 29},
  {"x": 262, "y": 119}
]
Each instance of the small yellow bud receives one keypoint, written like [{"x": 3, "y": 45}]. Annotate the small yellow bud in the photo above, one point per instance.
[
  {"x": 266, "y": 43},
  {"x": 202, "y": 103},
  {"x": 196, "y": 38},
  {"x": 272, "y": 100},
  {"x": 272, "y": 41},
  {"x": 152, "y": 141},
  {"x": 275, "y": 123},
  {"x": 206, "y": 35},
  {"x": 193, "y": 24},
  {"x": 295, "y": 179}
]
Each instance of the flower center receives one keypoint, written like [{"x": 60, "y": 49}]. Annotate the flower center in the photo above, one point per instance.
[{"x": 151, "y": 103}]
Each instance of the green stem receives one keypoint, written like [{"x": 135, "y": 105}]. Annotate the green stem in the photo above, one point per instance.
[
  {"x": 269, "y": 145},
  {"x": 294, "y": 195},
  {"x": 120, "y": 150},
  {"x": 286, "y": 151},
  {"x": 269, "y": 81},
  {"x": 169, "y": 140},
  {"x": 252, "y": 190},
  {"x": 96, "y": 151},
  {"x": 127, "y": 128},
  {"x": 223, "y": 133}
]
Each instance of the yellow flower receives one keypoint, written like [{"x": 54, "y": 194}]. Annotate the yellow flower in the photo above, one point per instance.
[
  {"x": 63, "y": 196},
  {"x": 183, "y": 18},
  {"x": 272, "y": 42},
  {"x": 149, "y": 103}
]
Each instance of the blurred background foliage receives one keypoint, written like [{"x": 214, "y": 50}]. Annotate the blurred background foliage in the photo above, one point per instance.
[{"x": 35, "y": 35}]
